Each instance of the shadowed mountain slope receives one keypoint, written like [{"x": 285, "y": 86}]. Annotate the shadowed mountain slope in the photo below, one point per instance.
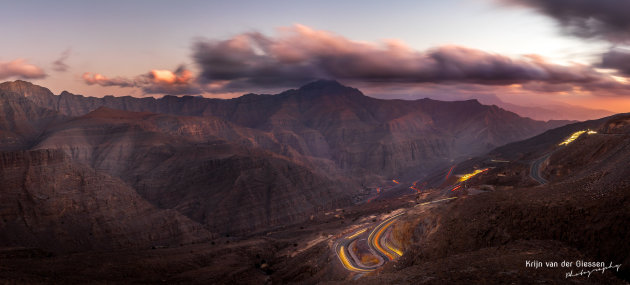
[
  {"x": 50, "y": 202},
  {"x": 208, "y": 169},
  {"x": 327, "y": 120}
]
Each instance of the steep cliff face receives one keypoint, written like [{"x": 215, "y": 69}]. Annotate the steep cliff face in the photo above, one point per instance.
[
  {"x": 212, "y": 171},
  {"x": 236, "y": 191},
  {"x": 287, "y": 154},
  {"x": 388, "y": 137},
  {"x": 330, "y": 121},
  {"x": 50, "y": 202},
  {"x": 22, "y": 121}
]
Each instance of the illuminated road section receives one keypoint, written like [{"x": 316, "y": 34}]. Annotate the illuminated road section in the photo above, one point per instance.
[
  {"x": 431, "y": 202},
  {"x": 449, "y": 173},
  {"x": 374, "y": 239},
  {"x": 470, "y": 175},
  {"x": 346, "y": 263},
  {"x": 536, "y": 166},
  {"x": 357, "y": 233},
  {"x": 576, "y": 135},
  {"x": 393, "y": 249},
  {"x": 386, "y": 250}
]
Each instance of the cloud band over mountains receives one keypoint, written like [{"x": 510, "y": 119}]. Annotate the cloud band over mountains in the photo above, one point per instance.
[{"x": 299, "y": 54}]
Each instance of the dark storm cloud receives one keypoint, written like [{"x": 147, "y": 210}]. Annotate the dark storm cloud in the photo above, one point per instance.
[
  {"x": 60, "y": 65},
  {"x": 302, "y": 54},
  {"x": 617, "y": 59},
  {"x": 607, "y": 19}
]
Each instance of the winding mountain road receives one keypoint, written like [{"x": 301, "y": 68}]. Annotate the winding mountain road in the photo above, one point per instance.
[
  {"x": 534, "y": 169},
  {"x": 377, "y": 243}
]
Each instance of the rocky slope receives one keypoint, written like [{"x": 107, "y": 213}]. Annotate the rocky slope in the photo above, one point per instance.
[
  {"x": 256, "y": 161},
  {"x": 170, "y": 171},
  {"x": 22, "y": 121},
  {"x": 212, "y": 171},
  {"x": 330, "y": 121},
  {"x": 489, "y": 237},
  {"x": 50, "y": 202},
  {"x": 510, "y": 164}
]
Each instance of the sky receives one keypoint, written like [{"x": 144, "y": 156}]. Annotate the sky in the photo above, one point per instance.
[{"x": 530, "y": 52}]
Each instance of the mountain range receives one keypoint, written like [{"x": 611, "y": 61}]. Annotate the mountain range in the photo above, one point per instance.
[
  {"x": 255, "y": 162},
  {"x": 260, "y": 188}
]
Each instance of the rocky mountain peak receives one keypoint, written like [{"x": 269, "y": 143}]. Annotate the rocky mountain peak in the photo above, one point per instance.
[
  {"x": 321, "y": 88},
  {"x": 66, "y": 93},
  {"x": 24, "y": 87},
  {"x": 322, "y": 84}
]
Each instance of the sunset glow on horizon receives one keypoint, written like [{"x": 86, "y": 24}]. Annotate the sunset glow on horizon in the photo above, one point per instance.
[{"x": 519, "y": 52}]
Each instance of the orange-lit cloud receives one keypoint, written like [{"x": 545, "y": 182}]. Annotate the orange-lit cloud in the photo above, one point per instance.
[
  {"x": 180, "y": 76},
  {"x": 178, "y": 82},
  {"x": 21, "y": 69},
  {"x": 99, "y": 79}
]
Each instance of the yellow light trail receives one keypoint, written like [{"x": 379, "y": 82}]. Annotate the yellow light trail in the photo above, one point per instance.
[
  {"x": 426, "y": 203},
  {"x": 397, "y": 251},
  {"x": 576, "y": 135},
  {"x": 470, "y": 175},
  {"x": 375, "y": 236},
  {"x": 357, "y": 233},
  {"x": 346, "y": 263},
  {"x": 377, "y": 244}
]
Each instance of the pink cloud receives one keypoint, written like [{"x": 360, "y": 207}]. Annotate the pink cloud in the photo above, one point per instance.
[
  {"x": 99, "y": 79},
  {"x": 21, "y": 69}
]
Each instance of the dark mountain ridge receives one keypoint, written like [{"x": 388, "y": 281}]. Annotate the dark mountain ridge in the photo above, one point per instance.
[{"x": 327, "y": 120}]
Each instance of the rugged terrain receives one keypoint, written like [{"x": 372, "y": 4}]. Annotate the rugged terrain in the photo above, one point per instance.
[
  {"x": 326, "y": 120},
  {"x": 258, "y": 161},
  {"x": 263, "y": 188},
  {"x": 54, "y": 204}
]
